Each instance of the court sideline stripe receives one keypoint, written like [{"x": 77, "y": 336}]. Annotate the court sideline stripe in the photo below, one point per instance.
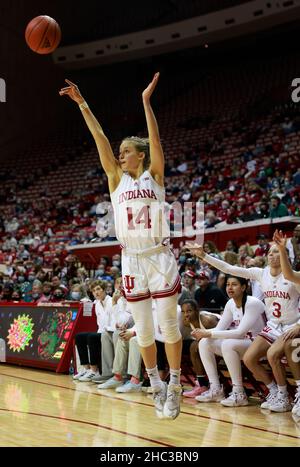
[{"x": 150, "y": 405}]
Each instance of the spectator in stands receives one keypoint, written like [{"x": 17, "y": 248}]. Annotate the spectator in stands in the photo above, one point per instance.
[
  {"x": 116, "y": 260},
  {"x": 278, "y": 209},
  {"x": 56, "y": 268},
  {"x": 211, "y": 220},
  {"x": 114, "y": 272},
  {"x": 293, "y": 245},
  {"x": 7, "y": 291},
  {"x": 46, "y": 296},
  {"x": 110, "y": 288},
  {"x": 263, "y": 210},
  {"x": 78, "y": 293},
  {"x": 231, "y": 246},
  {"x": 263, "y": 246},
  {"x": 58, "y": 295},
  {"x": 22, "y": 252},
  {"x": 9, "y": 242},
  {"x": 16, "y": 295},
  {"x": 189, "y": 286},
  {"x": 55, "y": 281},
  {"x": 42, "y": 275},
  {"x": 211, "y": 249},
  {"x": 230, "y": 257},
  {"x": 101, "y": 271},
  {"x": 242, "y": 318},
  {"x": 36, "y": 293},
  {"x": 221, "y": 282},
  {"x": 245, "y": 251},
  {"x": 296, "y": 177},
  {"x": 209, "y": 296}
]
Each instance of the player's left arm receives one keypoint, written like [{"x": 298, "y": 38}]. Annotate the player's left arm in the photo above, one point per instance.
[
  {"x": 157, "y": 160},
  {"x": 286, "y": 267}
]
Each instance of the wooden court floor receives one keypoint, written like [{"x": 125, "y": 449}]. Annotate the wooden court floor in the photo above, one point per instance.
[{"x": 41, "y": 408}]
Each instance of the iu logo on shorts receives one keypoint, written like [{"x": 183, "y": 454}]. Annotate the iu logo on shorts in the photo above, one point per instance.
[{"x": 128, "y": 283}]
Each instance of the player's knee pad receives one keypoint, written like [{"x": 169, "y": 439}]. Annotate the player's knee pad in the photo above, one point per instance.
[
  {"x": 143, "y": 319},
  {"x": 145, "y": 340},
  {"x": 170, "y": 332}
]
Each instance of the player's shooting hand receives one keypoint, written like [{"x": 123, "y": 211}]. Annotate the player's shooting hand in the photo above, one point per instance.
[
  {"x": 147, "y": 93},
  {"x": 279, "y": 239},
  {"x": 72, "y": 91}
]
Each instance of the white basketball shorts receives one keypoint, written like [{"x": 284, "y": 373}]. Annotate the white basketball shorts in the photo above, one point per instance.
[{"x": 151, "y": 273}]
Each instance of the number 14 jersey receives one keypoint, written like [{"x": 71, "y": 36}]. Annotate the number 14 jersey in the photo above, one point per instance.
[{"x": 139, "y": 215}]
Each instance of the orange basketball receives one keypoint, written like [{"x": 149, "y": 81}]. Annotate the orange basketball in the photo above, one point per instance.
[{"x": 43, "y": 34}]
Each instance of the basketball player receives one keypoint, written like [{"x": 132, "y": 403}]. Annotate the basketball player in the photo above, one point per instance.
[
  {"x": 242, "y": 320},
  {"x": 290, "y": 342},
  {"x": 149, "y": 268},
  {"x": 281, "y": 298}
]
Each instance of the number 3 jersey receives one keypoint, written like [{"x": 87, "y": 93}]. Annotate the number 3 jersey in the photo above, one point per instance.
[
  {"x": 280, "y": 295},
  {"x": 139, "y": 216}
]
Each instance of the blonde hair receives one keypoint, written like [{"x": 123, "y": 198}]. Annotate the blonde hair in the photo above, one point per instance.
[{"x": 141, "y": 145}]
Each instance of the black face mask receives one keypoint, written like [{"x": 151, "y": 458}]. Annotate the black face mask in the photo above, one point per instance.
[{"x": 58, "y": 295}]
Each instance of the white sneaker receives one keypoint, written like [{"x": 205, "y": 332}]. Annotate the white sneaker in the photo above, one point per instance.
[
  {"x": 296, "y": 406},
  {"x": 159, "y": 398},
  {"x": 111, "y": 383},
  {"x": 172, "y": 404},
  {"x": 88, "y": 376},
  {"x": 235, "y": 399},
  {"x": 270, "y": 399},
  {"x": 214, "y": 394},
  {"x": 129, "y": 387},
  {"x": 282, "y": 404},
  {"x": 80, "y": 374},
  {"x": 101, "y": 378}
]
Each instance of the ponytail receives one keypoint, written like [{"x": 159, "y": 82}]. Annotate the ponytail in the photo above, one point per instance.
[{"x": 244, "y": 300}]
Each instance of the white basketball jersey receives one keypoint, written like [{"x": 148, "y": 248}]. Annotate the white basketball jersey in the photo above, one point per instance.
[
  {"x": 281, "y": 298},
  {"x": 139, "y": 212},
  {"x": 280, "y": 295}
]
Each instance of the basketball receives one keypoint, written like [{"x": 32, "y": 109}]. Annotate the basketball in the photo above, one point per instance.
[{"x": 43, "y": 35}]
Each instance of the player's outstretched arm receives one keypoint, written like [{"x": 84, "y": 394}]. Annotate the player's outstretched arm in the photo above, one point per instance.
[
  {"x": 107, "y": 159},
  {"x": 286, "y": 267},
  {"x": 197, "y": 250},
  {"x": 157, "y": 161}
]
